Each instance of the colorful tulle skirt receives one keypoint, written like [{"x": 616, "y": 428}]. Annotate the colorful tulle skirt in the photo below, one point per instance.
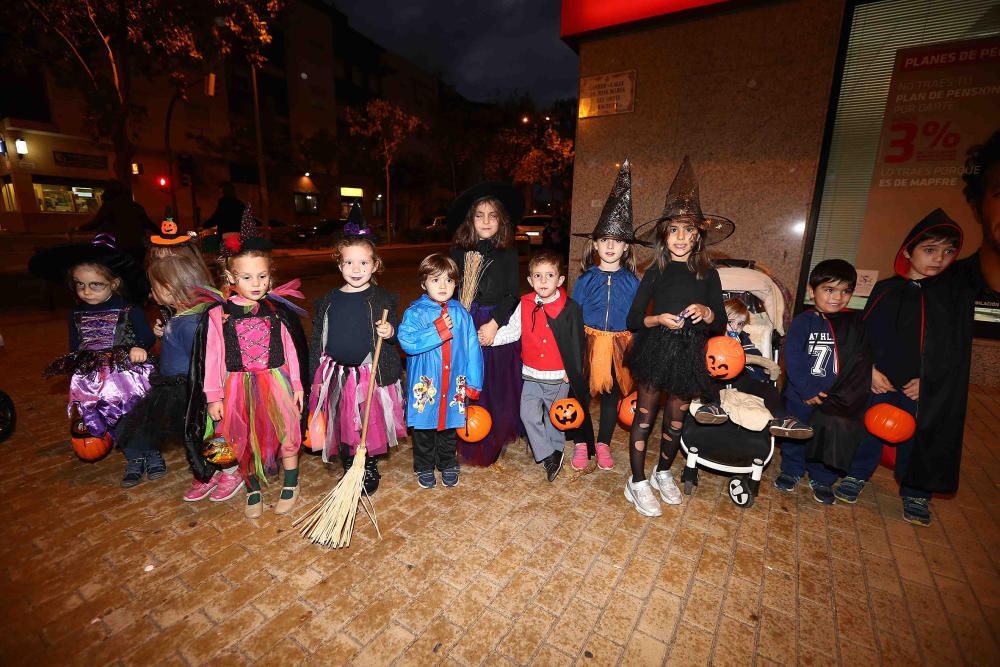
[
  {"x": 103, "y": 393},
  {"x": 260, "y": 420},
  {"x": 337, "y": 409},
  {"x": 501, "y": 396},
  {"x": 607, "y": 350}
]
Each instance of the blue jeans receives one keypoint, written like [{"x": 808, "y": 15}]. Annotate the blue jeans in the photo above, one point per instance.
[
  {"x": 793, "y": 452},
  {"x": 869, "y": 453}
]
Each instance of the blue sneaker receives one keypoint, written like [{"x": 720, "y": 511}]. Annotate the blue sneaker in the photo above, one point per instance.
[
  {"x": 426, "y": 479},
  {"x": 822, "y": 493},
  {"x": 917, "y": 510},
  {"x": 786, "y": 483},
  {"x": 156, "y": 467},
  {"x": 134, "y": 470},
  {"x": 449, "y": 476},
  {"x": 849, "y": 489}
]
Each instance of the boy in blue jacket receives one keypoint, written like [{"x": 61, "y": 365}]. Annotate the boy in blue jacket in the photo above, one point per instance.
[
  {"x": 828, "y": 368},
  {"x": 444, "y": 367}
]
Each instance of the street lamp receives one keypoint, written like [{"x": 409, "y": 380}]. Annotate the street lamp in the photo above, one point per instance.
[
  {"x": 21, "y": 146},
  {"x": 524, "y": 120},
  {"x": 307, "y": 174}
]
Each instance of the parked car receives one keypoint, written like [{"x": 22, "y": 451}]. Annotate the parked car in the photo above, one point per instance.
[{"x": 530, "y": 232}]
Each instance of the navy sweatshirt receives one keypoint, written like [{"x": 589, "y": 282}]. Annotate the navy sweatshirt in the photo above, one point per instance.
[{"x": 811, "y": 360}]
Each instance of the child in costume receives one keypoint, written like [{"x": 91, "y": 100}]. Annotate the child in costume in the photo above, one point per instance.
[
  {"x": 919, "y": 325},
  {"x": 443, "y": 370},
  {"x": 550, "y": 328},
  {"x": 483, "y": 220},
  {"x": 668, "y": 355},
  {"x": 828, "y": 368},
  {"x": 605, "y": 291},
  {"x": 246, "y": 374},
  {"x": 109, "y": 338},
  {"x": 340, "y": 360}
]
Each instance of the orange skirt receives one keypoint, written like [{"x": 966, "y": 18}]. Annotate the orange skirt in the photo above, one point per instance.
[{"x": 606, "y": 350}]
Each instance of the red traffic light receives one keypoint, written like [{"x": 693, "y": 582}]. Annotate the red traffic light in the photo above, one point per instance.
[{"x": 164, "y": 184}]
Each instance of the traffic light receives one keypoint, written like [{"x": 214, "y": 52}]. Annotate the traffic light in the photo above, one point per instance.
[{"x": 164, "y": 184}]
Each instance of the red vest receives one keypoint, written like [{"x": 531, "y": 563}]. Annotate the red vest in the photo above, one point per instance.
[{"x": 538, "y": 345}]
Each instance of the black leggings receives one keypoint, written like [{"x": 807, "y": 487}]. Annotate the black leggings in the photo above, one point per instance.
[
  {"x": 609, "y": 411},
  {"x": 646, "y": 406}
]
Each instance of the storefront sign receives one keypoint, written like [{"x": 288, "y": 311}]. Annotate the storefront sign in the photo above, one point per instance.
[
  {"x": 79, "y": 160},
  {"x": 607, "y": 94},
  {"x": 942, "y": 100}
]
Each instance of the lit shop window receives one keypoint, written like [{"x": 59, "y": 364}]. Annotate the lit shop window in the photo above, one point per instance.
[
  {"x": 7, "y": 196},
  {"x": 306, "y": 203},
  {"x": 58, "y": 198}
]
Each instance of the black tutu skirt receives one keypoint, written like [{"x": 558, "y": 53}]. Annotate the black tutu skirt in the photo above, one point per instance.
[
  {"x": 671, "y": 360},
  {"x": 157, "y": 420}
]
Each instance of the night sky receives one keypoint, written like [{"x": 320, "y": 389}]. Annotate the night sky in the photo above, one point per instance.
[{"x": 487, "y": 49}]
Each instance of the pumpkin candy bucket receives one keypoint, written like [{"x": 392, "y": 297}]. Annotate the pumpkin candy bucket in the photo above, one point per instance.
[
  {"x": 724, "y": 357},
  {"x": 566, "y": 414}
]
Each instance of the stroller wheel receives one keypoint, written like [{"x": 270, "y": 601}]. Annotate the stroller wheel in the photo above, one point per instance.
[
  {"x": 8, "y": 416},
  {"x": 739, "y": 492}
]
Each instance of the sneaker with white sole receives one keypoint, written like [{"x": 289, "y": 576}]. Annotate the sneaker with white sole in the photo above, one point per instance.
[
  {"x": 201, "y": 490},
  {"x": 663, "y": 482},
  {"x": 229, "y": 486},
  {"x": 641, "y": 495},
  {"x": 710, "y": 414}
]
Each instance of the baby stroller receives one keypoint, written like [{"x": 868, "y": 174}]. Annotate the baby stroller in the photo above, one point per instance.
[{"x": 729, "y": 448}]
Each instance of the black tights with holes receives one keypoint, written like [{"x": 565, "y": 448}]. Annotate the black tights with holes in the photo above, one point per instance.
[{"x": 646, "y": 406}]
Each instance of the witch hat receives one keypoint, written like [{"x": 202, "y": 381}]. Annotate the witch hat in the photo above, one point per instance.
[
  {"x": 683, "y": 203},
  {"x": 53, "y": 264},
  {"x": 356, "y": 224},
  {"x": 510, "y": 197},
  {"x": 615, "y": 220},
  {"x": 169, "y": 235},
  {"x": 248, "y": 239}
]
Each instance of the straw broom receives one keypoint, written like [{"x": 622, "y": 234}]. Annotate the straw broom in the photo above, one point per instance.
[{"x": 331, "y": 522}]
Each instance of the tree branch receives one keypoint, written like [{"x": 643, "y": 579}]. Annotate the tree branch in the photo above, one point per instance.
[
  {"x": 111, "y": 54},
  {"x": 72, "y": 48}
]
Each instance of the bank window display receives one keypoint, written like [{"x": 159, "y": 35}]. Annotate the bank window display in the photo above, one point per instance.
[
  {"x": 918, "y": 91},
  {"x": 63, "y": 198}
]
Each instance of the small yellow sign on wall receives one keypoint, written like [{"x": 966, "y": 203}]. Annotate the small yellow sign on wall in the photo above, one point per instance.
[{"x": 607, "y": 94}]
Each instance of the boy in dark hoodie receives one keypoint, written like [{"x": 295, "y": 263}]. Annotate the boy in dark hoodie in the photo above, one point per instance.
[
  {"x": 828, "y": 369},
  {"x": 920, "y": 325}
]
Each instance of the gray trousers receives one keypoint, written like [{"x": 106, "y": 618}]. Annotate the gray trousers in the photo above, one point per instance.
[{"x": 536, "y": 400}]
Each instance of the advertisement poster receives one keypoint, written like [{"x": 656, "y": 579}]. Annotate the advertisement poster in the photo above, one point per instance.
[{"x": 942, "y": 99}]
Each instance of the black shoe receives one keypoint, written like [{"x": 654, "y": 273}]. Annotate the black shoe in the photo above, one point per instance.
[
  {"x": 372, "y": 475},
  {"x": 553, "y": 464},
  {"x": 134, "y": 470},
  {"x": 156, "y": 467}
]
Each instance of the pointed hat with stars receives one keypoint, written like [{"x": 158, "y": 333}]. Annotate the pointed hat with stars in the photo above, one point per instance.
[
  {"x": 683, "y": 203},
  {"x": 615, "y": 221}
]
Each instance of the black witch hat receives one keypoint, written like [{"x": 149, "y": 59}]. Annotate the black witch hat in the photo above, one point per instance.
[
  {"x": 169, "y": 235},
  {"x": 356, "y": 224},
  {"x": 249, "y": 238},
  {"x": 683, "y": 203},
  {"x": 615, "y": 220},
  {"x": 508, "y": 195},
  {"x": 54, "y": 264}
]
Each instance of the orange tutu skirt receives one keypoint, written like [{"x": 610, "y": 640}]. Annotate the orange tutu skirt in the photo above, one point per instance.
[{"x": 606, "y": 350}]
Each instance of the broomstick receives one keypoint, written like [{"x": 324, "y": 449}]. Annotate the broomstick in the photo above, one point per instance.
[{"x": 331, "y": 522}]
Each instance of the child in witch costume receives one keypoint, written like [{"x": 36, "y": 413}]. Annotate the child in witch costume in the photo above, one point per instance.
[
  {"x": 157, "y": 420},
  {"x": 550, "y": 328},
  {"x": 920, "y": 326},
  {"x": 340, "y": 360},
  {"x": 828, "y": 367},
  {"x": 668, "y": 355},
  {"x": 605, "y": 292},
  {"x": 483, "y": 219},
  {"x": 444, "y": 368},
  {"x": 245, "y": 370},
  {"x": 109, "y": 338}
]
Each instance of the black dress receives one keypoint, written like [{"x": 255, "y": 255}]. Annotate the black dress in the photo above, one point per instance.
[{"x": 673, "y": 360}]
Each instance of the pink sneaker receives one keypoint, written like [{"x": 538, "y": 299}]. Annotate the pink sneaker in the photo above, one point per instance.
[
  {"x": 229, "y": 486},
  {"x": 200, "y": 490},
  {"x": 579, "y": 461},
  {"x": 604, "y": 460}
]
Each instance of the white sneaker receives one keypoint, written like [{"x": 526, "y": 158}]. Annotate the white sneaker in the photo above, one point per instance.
[
  {"x": 641, "y": 495},
  {"x": 663, "y": 482}
]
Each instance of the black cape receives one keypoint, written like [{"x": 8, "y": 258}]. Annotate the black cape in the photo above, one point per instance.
[
  {"x": 197, "y": 409},
  {"x": 567, "y": 327},
  {"x": 838, "y": 423},
  {"x": 947, "y": 304}
]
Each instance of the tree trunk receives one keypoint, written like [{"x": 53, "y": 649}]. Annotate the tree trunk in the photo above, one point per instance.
[
  {"x": 123, "y": 149},
  {"x": 261, "y": 170},
  {"x": 388, "y": 207},
  {"x": 170, "y": 156}
]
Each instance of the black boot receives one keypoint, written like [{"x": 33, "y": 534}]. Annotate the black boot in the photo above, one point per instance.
[{"x": 372, "y": 475}]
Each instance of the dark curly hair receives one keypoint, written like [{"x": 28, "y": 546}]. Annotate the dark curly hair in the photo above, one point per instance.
[{"x": 981, "y": 158}]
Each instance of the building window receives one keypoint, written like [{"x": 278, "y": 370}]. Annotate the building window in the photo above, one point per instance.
[
  {"x": 66, "y": 198},
  {"x": 7, "y": 196},
  {"x": 306, "y": 203}
]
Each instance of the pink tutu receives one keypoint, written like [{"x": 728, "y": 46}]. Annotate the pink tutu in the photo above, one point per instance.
[
  {"x": 260, "y": 420},
  {"x": 337, "y": 408}
]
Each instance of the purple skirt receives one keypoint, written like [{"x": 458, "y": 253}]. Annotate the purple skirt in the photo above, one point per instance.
[
  {"x": 104, "y": 395},
  {"x": 501, "y": 395}
]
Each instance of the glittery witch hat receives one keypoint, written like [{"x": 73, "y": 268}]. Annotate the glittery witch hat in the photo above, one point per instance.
[
  {"x": 356, "y": 224},
  {"x": 683, "y": 203},
  {"x": 248, "y": 238},
  {"x": 615, "y": 220}
]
